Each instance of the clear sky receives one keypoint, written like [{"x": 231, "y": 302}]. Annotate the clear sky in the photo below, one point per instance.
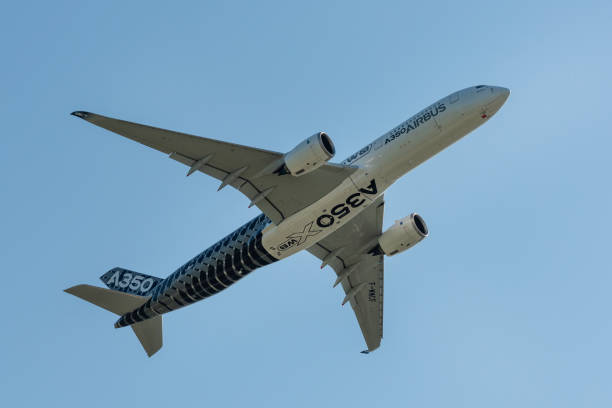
[{"x": 506, "y": 304}]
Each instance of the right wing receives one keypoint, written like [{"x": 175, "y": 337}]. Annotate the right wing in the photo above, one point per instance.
[
  {"x": 364, "y": 284},
  {"x": 249, "y": 170}
]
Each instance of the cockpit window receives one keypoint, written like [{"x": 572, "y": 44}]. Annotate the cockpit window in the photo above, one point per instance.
[{"x": 480, "y": 86}]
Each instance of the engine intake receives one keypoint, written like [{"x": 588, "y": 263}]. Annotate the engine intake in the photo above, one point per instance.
[
  {"x": 310, "y": 154},
  {"x": 404, "y": 234}
]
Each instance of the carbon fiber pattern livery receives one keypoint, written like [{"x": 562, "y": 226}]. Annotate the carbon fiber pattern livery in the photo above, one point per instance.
[{"x": 208, "y": 273}]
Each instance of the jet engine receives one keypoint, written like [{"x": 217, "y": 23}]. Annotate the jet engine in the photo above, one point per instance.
[
  {"x": 404, "y": 234},
  {"x": 308, "y": 155}
]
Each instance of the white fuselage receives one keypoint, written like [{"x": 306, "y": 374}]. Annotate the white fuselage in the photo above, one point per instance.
[{"x": 382, "y": 162}]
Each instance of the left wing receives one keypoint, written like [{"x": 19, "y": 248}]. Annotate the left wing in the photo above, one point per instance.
[
  {"x": 361, "y": 274},
  {"x": 249, "y": 170}
]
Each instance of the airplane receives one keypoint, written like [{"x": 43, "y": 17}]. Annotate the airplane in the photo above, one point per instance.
[{"x": 332, "y": 210}]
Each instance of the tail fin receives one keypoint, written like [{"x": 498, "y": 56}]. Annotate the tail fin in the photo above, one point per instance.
[
  {"x": 149, "y": 332},
  {"x": 131, "y": 282}
]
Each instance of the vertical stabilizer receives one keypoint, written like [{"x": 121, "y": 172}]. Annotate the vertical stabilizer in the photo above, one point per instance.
[{"x": 127, "y": 281}]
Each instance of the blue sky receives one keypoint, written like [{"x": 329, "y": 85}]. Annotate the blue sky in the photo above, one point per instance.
[{"x": 506, "y": 304}]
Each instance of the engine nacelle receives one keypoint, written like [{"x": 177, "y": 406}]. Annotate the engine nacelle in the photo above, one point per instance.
[
  {"x": 404, "y": 234},
  {"x": 310, "y": 154}
]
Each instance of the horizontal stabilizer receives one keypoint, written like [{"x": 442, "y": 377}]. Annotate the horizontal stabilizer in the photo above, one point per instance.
[
  {"x": 116, "y": 302},
  {"x": 149, "y": 332}
]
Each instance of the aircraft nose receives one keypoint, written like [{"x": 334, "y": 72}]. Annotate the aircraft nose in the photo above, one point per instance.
[
  {"x": 498, "y": 97},
  {"x": 501, "y": 92}
]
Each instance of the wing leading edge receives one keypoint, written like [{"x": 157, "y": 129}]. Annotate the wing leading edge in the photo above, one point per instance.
[{"x": 249, "y": 170}]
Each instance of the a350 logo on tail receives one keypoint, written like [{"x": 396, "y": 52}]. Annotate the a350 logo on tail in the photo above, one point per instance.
[{"x": 128, "y": 281}]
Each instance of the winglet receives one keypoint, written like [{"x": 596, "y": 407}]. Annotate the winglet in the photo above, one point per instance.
[{"x": 81, "y": 114}]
